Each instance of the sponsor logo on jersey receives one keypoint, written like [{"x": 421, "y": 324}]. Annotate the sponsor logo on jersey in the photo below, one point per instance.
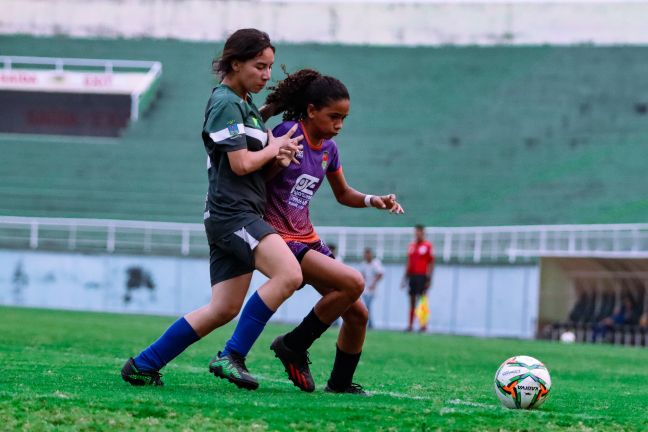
[
  {"x": 305, "y": 183},
  {"x": 302, "y": 191}
]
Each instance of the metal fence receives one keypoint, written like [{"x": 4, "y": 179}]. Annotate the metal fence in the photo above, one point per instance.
[{"x": 512, "y": 244}]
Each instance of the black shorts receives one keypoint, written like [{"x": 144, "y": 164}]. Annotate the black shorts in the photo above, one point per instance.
[
  {"x": 233, "y": 255},
  {"x": 417, "y": 284}
]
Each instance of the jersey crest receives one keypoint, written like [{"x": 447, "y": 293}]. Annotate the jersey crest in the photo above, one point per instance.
[
  {"x": 232, "y": 128},
  {"x": 325, "y": 158}
]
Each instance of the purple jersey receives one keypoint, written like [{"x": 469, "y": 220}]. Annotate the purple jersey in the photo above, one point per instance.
[{"x": 289, "y": 193}]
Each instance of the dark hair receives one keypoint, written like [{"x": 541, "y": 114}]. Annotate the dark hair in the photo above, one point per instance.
[
  {"x": 242, "y": 45},
  {"x": 419, "y": 227},
  {"x": 307, "y": 86}
]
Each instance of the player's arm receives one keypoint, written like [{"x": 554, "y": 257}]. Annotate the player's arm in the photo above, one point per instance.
[
  {"x": 350, "y": 197},
  {"x": 376, "y": 279},
  {"x": 283, "y": 159},
  {"x": 245, "y": 162}
]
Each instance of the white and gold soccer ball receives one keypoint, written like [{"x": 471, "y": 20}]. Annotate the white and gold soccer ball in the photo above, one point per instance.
[{"x": 522, "y": 382}]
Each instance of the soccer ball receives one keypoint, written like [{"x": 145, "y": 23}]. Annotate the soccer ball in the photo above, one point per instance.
[
  {"x": 568, "y": 337},
  {"x": 522, "y": 382}
]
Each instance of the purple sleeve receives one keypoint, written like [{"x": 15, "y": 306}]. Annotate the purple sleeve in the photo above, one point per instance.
[{"x": 334, "y": 163}]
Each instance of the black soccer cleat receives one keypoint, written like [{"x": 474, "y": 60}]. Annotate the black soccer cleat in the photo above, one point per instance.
[
  {"x": 295, "y": 363},
  {"x": 136, "y": 377},
  {"x": 232, "y": 368},
  {"x": 352, "y": 388}
]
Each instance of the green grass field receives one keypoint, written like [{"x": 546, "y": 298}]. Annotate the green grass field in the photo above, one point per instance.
[{"x": 60, "y": 371}]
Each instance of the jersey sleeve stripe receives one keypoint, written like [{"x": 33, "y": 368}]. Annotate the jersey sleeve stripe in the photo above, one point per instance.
[
  {"x": 257, "y": 134},
  {"x": 337, "y": 171},
  {"x": 223, "y": 134}
]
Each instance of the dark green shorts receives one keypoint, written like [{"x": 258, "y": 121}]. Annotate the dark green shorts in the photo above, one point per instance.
[{"x": 233, "y": 254}]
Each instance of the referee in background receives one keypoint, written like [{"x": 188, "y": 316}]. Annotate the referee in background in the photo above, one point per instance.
[{"x": 418, "y": 273}]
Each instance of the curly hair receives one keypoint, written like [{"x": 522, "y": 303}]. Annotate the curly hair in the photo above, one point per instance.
[
  {"x": 242, "y": 45},
  {"x": 294, "y": 93}
]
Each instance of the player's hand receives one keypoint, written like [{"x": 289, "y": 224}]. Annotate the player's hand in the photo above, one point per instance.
[
  {"x": 286, "y": 142},
  {"x": 387, "y": 202},
  {"x": 286, "y": 156}
]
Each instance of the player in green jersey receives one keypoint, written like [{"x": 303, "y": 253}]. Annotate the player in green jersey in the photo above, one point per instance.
[{"x": 238, "y": 145}]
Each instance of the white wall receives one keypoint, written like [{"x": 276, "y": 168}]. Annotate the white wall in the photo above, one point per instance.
[
  {"x": 485, "y": 301},
  {"x": 417, "y": 22}
]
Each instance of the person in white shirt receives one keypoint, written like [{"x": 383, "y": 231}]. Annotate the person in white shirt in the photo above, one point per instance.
[{"x": 372, "y": 270}]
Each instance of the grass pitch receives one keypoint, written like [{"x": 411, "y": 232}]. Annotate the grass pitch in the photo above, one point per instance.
[{"x": 60, "y": 371}]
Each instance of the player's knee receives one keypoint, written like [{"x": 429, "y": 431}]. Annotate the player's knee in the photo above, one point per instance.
[
  {"x": 354, "y": 285},
  {"x": 290, "y": 280},
  {"x": 357, "y": 315}
]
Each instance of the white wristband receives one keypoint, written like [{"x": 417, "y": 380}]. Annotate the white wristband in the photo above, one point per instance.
[{"x": 367, "y": 200}]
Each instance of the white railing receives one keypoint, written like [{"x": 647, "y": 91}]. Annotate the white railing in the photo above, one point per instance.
[{"x": 513, "y": 244}]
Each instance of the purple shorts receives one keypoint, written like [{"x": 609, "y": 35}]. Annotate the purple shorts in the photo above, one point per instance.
[{"x": 299, "y": 249}]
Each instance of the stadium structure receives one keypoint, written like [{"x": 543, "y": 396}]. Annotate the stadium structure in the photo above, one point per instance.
[
  {"x": 515, "y": 131},
  {"x": 525, "y": 162}
]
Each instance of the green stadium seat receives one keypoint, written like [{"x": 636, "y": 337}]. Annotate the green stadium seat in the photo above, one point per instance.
[{"x": 465, "y": 136}]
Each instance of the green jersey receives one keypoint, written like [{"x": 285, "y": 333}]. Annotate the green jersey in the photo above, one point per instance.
[{"x": 231, "y": 124}]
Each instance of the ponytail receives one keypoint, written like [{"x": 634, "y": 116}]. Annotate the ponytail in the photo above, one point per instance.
[{"x": 306, "y": 86}]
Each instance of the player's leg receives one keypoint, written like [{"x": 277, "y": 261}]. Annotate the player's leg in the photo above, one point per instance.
[
  {"x": 273, "y": 258},
  {"x": 416, "y": 289},
  {"x": 348, "y": 350},
  {"x": 346, "y": 285},
  {"x": 227, "y": 297},
  {"x": 319, "y": 270},
  {"x": 226, "y": 301},
  {"x": 412, "y": 307},
  {"x": 367, "y": 299},
  {"x": 230, "y": 280}
]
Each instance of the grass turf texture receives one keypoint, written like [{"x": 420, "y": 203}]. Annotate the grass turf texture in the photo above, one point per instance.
[{"x": 60, "y": 371}]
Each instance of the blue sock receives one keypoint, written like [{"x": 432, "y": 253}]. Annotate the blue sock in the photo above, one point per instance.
[
  {"x": 253, "y": 319},
  {"x": 175, "y": 340}
]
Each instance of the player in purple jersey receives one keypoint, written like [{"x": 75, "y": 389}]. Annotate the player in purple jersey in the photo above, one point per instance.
[{"x": 318, "y": 105}]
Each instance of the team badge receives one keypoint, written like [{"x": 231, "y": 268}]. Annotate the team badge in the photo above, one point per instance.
[
  {"x": 324, "y": 160},
  {"x": 232, "y": 127}
]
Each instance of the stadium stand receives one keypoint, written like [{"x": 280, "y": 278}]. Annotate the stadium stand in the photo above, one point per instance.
[
  {"x": 465, "y": 136},
  {"x": 610, "y": 304}
]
